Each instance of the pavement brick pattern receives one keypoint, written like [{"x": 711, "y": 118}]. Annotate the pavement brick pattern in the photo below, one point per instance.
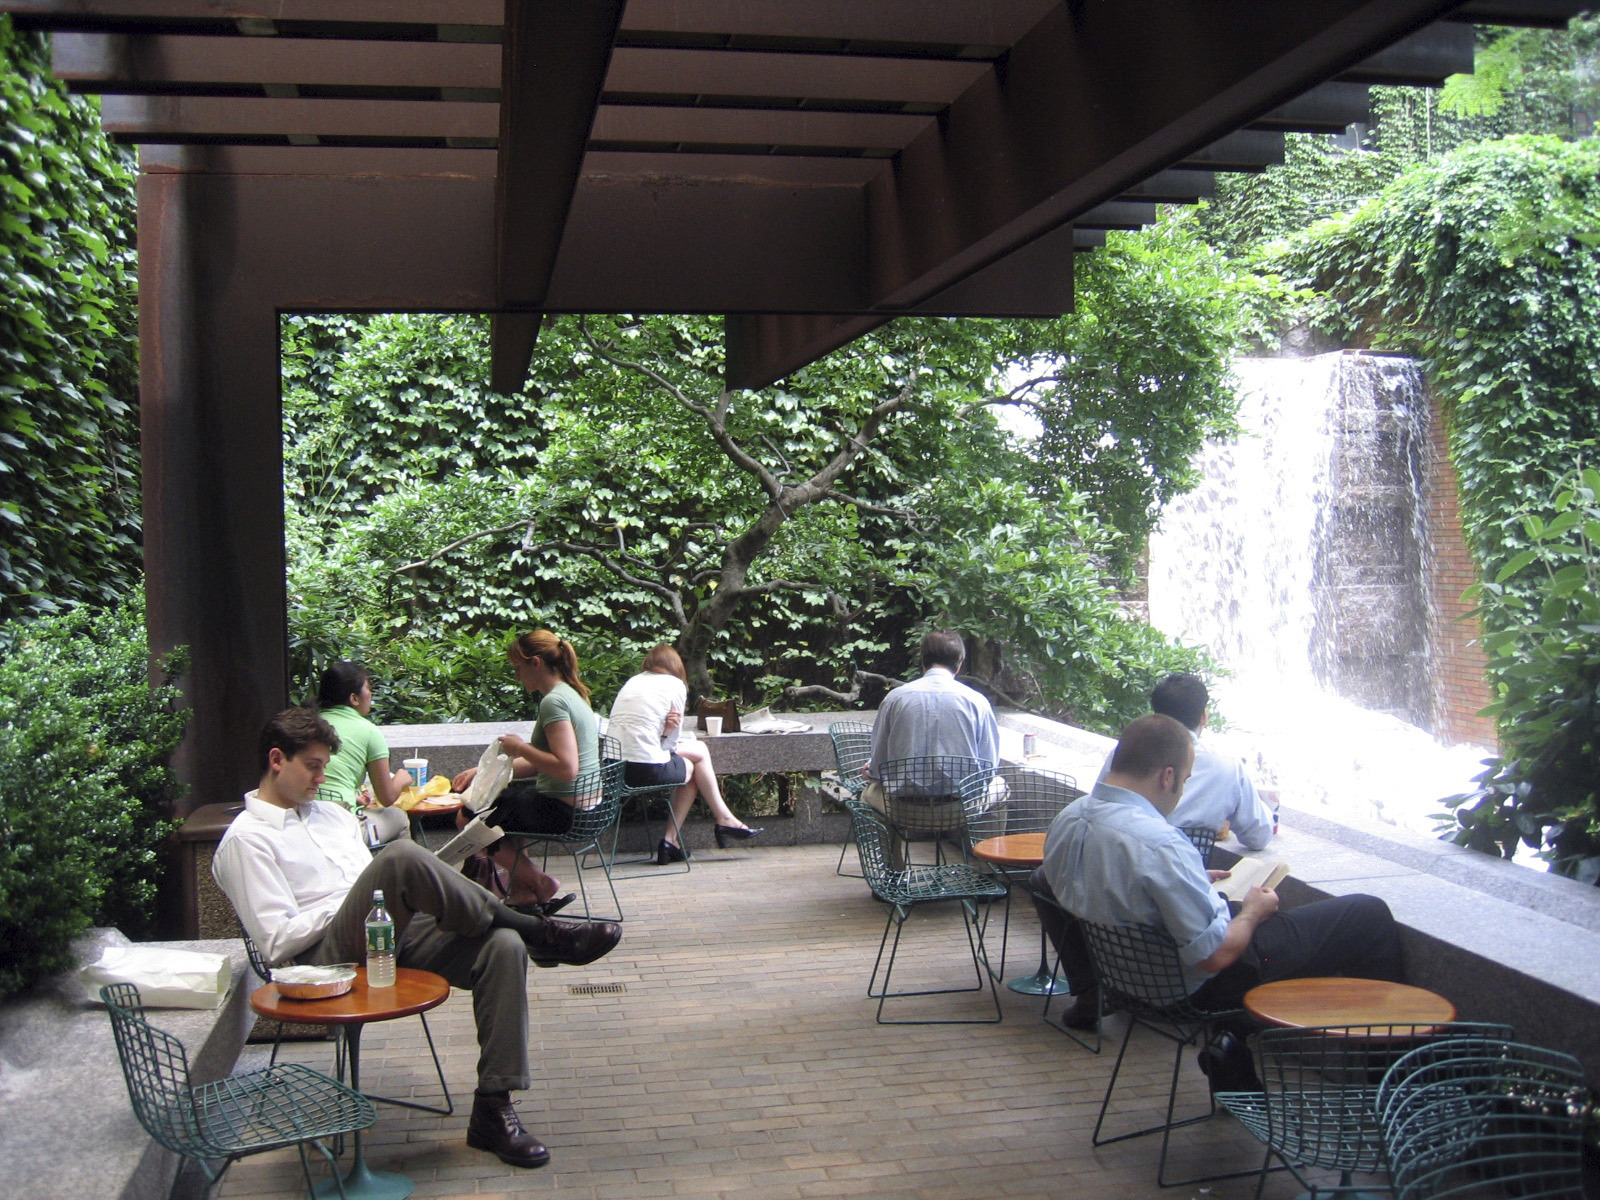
[{"x": 741, "y": 1061}]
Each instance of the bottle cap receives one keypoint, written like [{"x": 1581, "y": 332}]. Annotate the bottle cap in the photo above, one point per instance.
[{"x": 377, "y": 898}]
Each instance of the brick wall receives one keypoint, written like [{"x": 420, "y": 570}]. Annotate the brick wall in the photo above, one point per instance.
[{"x": 1458, "y": 663}]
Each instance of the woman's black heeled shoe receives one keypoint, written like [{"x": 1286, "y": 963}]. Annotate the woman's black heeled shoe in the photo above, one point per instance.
[
  {"x": 666, "y": 853},
  {"x": 726, "y": 833}
]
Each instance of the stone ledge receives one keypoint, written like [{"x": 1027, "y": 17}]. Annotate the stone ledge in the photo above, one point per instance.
[{"x": 72, "y": 1130}]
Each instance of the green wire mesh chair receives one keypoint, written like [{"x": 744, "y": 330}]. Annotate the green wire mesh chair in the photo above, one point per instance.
[
  {"x": 922, "y": 798},
  {"x": 852, "y": 747},
  {"x": 903, "y": 890},
  {"x": 1318, "y": 1103},
  {"x": 1471, "y": 1119},
  {"x": 1026, "y": 800},
  {"x": 599, "y": 802},
  {"x": 263, "y": 970},
  {"x": 1141, "y": 975},
  {"x": 611, "y": 751},
  {"x": 282, "y": 1106}
]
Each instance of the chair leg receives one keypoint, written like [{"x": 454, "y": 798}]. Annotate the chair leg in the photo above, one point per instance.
[
  {"x": 583, "y": 887},
  {"x": 438, "y": 1069},
  {"x": 897, "y": 918}
]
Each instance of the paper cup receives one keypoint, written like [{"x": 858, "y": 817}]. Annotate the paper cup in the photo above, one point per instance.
[
  {"x": 419, "y": 771},
  {"x": 712, "y": 726}
]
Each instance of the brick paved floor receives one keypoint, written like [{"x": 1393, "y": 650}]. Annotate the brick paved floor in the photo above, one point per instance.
[{"x": 742, "y": 1062}]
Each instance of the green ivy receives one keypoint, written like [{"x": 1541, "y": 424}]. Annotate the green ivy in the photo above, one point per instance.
[
  {"x": 69, "y": 465},
  {"x": 1455, "y": 264}
]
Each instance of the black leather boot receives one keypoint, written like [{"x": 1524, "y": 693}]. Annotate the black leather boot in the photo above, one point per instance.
[{"x": 495, "y": 1127}]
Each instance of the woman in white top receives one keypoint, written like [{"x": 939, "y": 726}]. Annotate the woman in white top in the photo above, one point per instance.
[{"x": 645, "y": 719}]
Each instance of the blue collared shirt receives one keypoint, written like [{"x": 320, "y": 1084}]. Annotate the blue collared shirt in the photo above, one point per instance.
[
  {"x": 1218, "y": 790},
  {"x": 934, "y": 715},
  {"x": 1113, "y": 859}
]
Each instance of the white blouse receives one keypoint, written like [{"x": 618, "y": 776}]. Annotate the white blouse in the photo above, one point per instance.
[{"x": 639, "y": 714}]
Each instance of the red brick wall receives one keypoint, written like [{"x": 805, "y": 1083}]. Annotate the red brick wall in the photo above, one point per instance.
[{"x": 1459, "y": 685}]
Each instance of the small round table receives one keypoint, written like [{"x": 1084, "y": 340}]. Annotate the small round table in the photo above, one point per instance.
[
  {"x": 414, "y": 992},
  {"x": 1024, "y": 850},
  {"x": 1304, "y": 1003}
]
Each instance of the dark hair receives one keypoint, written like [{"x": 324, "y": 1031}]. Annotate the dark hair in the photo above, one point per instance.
[
  {"x": 558, "y": 656},
  {"x": 339, "y": 683},
  {"x": 1151, "y": 744},
  {"x": 292, "y": 731},
  {"x": 941, "y": 648},
  {"x": 1183, "y": 698},
  {"x": 664, "y": 660}
]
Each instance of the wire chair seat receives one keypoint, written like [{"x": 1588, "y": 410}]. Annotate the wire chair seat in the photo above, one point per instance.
[
  {"x": 1319, "y": 1103},
  {"x": 599, "y": 803},
  {"x": 1484, "y": 1119},
  {"x": 610, "y": 752},
  {"x": 283, "y": 1105},
  {"x": 902, "y": 890},
  {"x": 852, "y": 748}
]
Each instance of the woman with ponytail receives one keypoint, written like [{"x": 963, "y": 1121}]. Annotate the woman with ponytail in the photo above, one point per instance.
[{"x": 564, "y": 745}]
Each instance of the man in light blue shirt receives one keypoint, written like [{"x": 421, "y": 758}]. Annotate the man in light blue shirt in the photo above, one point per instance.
[
  {"x": 935, "y": 715},
  {"x": 1219, "y": 790},
  {"x": 1114, "y": 858}
]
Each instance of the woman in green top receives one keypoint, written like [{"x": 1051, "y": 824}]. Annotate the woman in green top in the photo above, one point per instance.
[
  {"x": 345, "y": 699},
  {"x": 565, "y": 742}
]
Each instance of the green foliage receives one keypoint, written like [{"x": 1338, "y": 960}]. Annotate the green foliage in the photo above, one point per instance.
[
  {"x": 69, "y": 488},
  {"x": 1543, "y": 790},
  {"x": 85, "y": 742},
  {"x": 1445, "y": 265},
  {"x": 429, "y": 517}
]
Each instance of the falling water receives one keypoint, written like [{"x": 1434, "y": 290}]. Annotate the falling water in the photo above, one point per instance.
[{"x": 1299, "y": 563}]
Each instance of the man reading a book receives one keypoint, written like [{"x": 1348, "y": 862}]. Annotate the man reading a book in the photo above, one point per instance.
[
  {"x": 1113, "y": 858},
  {"x": 301, "y": 879}
]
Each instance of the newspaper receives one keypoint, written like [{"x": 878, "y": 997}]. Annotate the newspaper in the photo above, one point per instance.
[
  {"x": 477, "y": 834},
  {"x": 762, "y": 721}
]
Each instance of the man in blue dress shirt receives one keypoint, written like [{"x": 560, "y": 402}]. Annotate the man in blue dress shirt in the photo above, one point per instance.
[{"x": 1114, "y": 858}]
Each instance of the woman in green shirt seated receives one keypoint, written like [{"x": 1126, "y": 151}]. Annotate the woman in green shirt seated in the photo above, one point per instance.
[{"x": 345, "y": 699}]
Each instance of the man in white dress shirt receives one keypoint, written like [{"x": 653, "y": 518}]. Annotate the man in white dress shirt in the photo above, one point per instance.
[
  {"x": 1219, "y": 790},
  {"x": 1113, "y": 857},
  {"x": 301, "y": 879}
]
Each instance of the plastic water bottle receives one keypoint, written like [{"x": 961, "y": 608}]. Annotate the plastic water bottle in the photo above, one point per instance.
[{"x": 380, "y": 944}]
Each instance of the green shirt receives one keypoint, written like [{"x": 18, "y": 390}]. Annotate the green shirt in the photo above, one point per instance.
[
  {"x": 360, "y": 742},
  {"x": 562, "y": 703}
]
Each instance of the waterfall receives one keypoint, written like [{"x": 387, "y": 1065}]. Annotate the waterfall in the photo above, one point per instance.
[{"x": 1300, "y": 564}]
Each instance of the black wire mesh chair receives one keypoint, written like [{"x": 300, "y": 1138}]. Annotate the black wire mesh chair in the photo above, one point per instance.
[
  {"x": 1024, "y": 800},
  {"x": 922, "y": 798},
  {"x": 1318, "y": 1106},
  {"x": 263, "y": 970},
  {"x": 902, "y": 890},
  {"x": 1471, "y": 1119},
  {"x": 852, "y": 747},
  {"x": 598, "y": 803},
  {"x": 282, "y": 1106},
  {"x": 611, "y": 751},
  {"x": 1140, "y": 974},
  {"x": 1204, "y": 839}
]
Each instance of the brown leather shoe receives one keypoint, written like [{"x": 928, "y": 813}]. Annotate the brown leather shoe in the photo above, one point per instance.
[
  {"x": 1085, "y": 1010},
  {"x": 575, "y": 943},
  {"x": 495, "y": 1127}
]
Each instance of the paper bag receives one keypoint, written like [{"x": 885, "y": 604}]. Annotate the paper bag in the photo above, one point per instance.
[{"x": 166, "y": 978}]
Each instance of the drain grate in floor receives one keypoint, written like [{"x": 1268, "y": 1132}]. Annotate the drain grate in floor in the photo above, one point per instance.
[{"x": 597, "y": 989}]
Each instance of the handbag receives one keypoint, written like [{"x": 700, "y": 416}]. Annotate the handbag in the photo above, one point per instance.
[{"x": 726, "y": 709}]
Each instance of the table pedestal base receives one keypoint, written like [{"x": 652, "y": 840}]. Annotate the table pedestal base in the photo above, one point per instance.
[
  {"x": 1041, "y": 983},
  {"x": 362, "y": 1183}
]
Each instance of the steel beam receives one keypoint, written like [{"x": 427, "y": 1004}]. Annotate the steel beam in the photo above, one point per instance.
[
  {"x": 555, "y": 57},
  {"x": 759, "y": 350}
]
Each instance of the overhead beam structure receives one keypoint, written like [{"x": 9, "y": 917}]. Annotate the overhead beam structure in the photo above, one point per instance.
[{"x": 807, "y": 168}]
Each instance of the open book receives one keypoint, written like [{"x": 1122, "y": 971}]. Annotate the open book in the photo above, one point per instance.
[{"x": 1252, "y": 872}]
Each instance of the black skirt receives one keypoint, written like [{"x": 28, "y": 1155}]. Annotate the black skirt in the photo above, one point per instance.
[{"x": 523, "y": 808}]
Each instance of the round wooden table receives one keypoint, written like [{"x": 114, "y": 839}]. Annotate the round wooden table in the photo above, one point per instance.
[
  {"x": 1020, "y": 850},
  {"x": 414, "y": 992},
  {"x": 1304, "y": 1003}
]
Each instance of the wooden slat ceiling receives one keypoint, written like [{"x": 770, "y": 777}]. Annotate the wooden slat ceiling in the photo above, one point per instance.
[{"x": 964, "y": 148}]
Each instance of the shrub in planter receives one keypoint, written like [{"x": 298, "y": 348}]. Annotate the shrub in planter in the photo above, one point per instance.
[{"x": 84, "y": 746}]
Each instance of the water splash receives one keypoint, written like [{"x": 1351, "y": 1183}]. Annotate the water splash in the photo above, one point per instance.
[{"x": 1299, "y": 563}]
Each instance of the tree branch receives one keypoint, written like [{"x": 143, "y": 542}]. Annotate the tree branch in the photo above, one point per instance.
[
  {"x": 853, "y": 696},
  {"x": 458, "y": 543}
]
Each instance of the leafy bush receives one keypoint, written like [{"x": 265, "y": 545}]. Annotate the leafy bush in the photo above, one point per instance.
[
  {"x": 84, "y": 743},
  {"x": 1543, "y": 790},
  {"x": 69, "y": 459}
]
